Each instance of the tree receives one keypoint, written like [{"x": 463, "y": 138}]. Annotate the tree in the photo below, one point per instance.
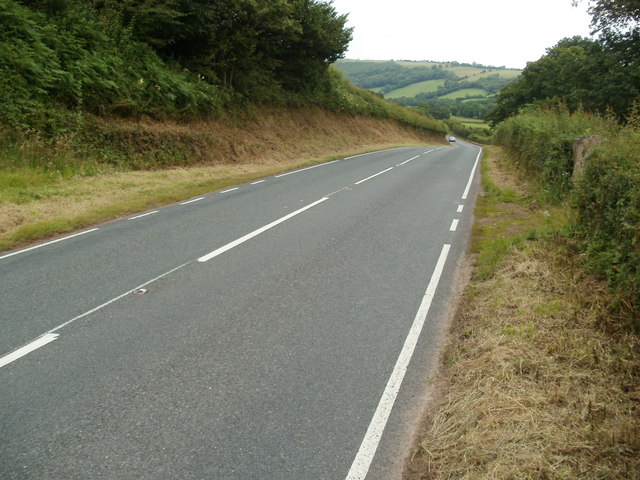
[{"x": 579, "y": 72}]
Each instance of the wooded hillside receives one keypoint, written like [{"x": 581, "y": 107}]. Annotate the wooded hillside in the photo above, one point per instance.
[{"x": 59, "y": 58}]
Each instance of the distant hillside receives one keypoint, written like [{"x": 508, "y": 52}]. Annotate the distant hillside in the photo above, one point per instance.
[{"x": 444, "y": 89}]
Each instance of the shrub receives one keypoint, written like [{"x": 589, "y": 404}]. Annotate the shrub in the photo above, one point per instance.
[
  {"x": 542, "y": 141},
  {"x": 607, "y": 201}
]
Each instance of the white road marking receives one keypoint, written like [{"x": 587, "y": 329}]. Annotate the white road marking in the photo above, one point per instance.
[
  {"x": 115, "y": 299},
  {"x": 304, "y": 169},
  {"x": 460, "y": 208},
  {"x": 454, "y": 225},
  {"x": 369, "y": 445},
  {"x": 407, "y": 161},
  {"x": 144, "y": 215},
  {"x": 21, "y": 352},
  {"x": 229, "y": 190},
  {"x": 192, "y": 201},
  {"x": 257, "y": 232},
  {"x": 373, "y": 176},
  {"x": 371, "y": 153},
  {"x": 51, "y": 335},
  {"x": 24, "y": 250},
  {"x": 259, "y": 181},
  {"x": 473, "y": 171}
]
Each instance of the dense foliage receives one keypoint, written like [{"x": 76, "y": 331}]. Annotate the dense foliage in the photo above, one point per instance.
[
  {"x": 62, "y": 58},
  {"x": 607, "y": 201}
]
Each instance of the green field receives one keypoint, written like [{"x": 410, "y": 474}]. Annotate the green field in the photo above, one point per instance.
[
  {"x": 466, "y": 92},
  {"x": 414, "y": 89}
]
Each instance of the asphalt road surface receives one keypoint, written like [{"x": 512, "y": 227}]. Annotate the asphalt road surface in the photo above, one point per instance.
[{"x": 281, "y": 329}]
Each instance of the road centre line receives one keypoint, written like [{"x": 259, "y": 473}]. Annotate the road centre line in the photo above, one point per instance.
[
  {"x": 304, "y": 169},
  {"x": 255, "y": 233},
  {"x": 30, "y": 347},
  {"x": 229, "y": 190},
  {"x": 192, "y": 201},
  {"x": 369, "y": 445},
  {"x": 473, "y": 171},
  {"x": 460, "y": 208},
  {"x": 454, "y": 225},
  {"x": 407, "y": 161},
  {"x": 50, "y": 336},
  {"x": 259, "y": 181},
  {"x": 24, "y": 250},
  {"x": 370, "y": 153},
  {"x": 373, "y": 176},
  {"x": 144, "y": 215}
]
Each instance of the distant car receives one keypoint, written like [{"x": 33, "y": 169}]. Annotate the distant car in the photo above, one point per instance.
[{"x": 452, "y": 139}]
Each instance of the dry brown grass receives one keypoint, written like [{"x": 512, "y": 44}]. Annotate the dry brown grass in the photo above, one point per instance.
[
  {"x": 222, "y": 153},
  {"x": 539, "y": 381}
]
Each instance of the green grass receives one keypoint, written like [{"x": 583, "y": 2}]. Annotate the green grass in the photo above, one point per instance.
[
  {"x": 466, "y": 92},
  {"x": 428, "y": 86},
  {"x": 471, "y": 122}
]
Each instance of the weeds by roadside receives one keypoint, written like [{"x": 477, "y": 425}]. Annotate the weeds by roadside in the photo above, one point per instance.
[{"x": 540, "y": 382}]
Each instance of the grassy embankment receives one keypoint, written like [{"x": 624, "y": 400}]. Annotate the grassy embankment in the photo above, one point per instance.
[
  {"x": 540, "y": 379},
  {"x": 153, "y": 163}
]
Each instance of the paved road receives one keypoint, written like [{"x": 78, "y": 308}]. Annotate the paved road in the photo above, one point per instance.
[{"x": 260, "y": 332}]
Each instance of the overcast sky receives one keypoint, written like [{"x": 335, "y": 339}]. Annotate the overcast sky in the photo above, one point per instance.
[{"x": 489, "y": 32}]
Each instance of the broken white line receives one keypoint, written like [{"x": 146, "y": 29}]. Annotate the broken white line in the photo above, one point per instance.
[
  {"x": 21, "y": 352},
  {"x": 257, "y": 232},
  {"x": 192, "y": 201},
  {"x": 24, "y": 250},
  {"x": 373, "y": 176},
  {"x": 407, "y": 161},
  {"x": 143, "y": 215}
]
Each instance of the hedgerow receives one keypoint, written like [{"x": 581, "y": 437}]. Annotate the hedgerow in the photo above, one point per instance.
[{"x": 605, "y": 196}]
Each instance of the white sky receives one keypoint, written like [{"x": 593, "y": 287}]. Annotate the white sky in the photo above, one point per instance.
[{"x": 489, "y": 32}]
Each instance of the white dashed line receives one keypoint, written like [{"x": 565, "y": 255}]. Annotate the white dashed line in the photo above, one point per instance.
[
  {"x": 192, "y": 201},
  {"x": 144, "y": 215},
  {"x": 24, "y": 250},
  {"x": 373, "y": 176}
]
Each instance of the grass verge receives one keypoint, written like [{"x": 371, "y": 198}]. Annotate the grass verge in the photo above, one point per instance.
[{"x": 539, "y": 380}]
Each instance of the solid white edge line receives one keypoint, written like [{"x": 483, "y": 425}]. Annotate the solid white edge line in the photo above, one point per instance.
[
  {"x": 369, "y": 445},
  {"x": 24, "y": 250},
  {"x": 374, "y": 175},
  {"x": 249, "y": 236},
  {"x": 30, "y": 347},
  {"x": 454, "y": 225},
  {"x": 192, "y": 201},
  {"x": 143, "y": 215},
  {"x": 473, "y": 171},
  {"x": 304, "y": 169}
]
